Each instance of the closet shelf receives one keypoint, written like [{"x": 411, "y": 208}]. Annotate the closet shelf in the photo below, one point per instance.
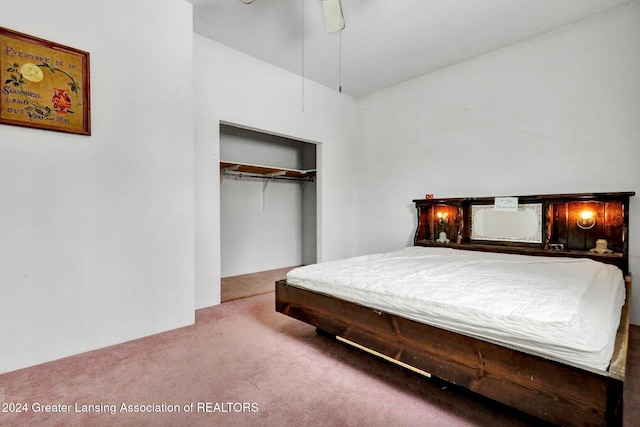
[{"x": 267, "y": 172}]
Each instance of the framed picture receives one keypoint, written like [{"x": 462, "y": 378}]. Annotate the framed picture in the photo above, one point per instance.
[{"x": 43, "y": 85}]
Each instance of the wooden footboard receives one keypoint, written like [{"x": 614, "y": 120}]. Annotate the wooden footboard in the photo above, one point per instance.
[{"x": 549, "y": 389}]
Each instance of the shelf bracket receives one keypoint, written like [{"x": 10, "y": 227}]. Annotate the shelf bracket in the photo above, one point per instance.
[
  {"x": 264, "y": 189},
  {"x": 226, "y": 170},
  {"x": 276, "y": 173},
  {"x": 231, "y": 168}
]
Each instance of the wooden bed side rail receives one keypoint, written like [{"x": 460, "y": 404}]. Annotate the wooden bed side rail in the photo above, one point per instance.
[{"x": 548, "y": 389}]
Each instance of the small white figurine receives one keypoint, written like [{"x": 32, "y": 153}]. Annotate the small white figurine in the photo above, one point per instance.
[
  {"x": 601, "y": 247},
  {"x": 442, "y": 238}
]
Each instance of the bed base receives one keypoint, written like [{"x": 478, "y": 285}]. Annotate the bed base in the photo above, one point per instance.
[{"x": 549, "y": 389}]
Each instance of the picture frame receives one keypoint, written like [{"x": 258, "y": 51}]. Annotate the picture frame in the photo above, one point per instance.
[{"x": 43, "y": 85}]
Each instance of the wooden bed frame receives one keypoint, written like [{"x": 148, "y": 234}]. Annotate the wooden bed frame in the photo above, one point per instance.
[{"x": 547, "y": 388}]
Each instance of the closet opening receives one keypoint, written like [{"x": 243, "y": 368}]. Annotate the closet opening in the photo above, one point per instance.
[{"x": 268, "y": 209}]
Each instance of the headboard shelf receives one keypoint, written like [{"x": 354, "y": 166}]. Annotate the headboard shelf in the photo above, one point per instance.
[{"x": 591, "y": 225}]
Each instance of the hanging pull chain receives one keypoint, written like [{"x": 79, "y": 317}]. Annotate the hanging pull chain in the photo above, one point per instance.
[{"x": 340, "y": 66}]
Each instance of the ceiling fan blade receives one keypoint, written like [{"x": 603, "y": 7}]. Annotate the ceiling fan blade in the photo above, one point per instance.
[{"x": 333, "y": 18}]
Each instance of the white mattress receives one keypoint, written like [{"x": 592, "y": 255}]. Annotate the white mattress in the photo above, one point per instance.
[{"x": 568, "y": 308}]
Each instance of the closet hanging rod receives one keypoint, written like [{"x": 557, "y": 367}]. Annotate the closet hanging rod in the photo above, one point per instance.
[{"x": 242, "y": 175}]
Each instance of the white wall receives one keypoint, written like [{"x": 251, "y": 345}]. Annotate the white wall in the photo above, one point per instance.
[
  {"x": 235, "y": 88},
  {"x": 261, "y": 228},
  {"x": 555, "y": 114},
  {"x": 96, "y": 232}
]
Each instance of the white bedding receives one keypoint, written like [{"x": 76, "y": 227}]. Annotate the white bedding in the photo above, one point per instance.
[{"x": 568, "y": 308}]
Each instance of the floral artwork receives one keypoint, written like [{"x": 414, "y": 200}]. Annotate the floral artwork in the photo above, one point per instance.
[{"x": 43, "y": 85}]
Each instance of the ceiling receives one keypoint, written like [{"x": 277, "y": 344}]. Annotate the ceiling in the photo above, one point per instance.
[{"x": 385, "y": 41}]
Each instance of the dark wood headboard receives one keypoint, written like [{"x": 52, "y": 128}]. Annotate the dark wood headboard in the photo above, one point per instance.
[{"x": 573, "y": 225}]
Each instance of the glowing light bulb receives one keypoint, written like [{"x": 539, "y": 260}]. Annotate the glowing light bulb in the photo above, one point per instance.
[{"x": 586, "y": 220}]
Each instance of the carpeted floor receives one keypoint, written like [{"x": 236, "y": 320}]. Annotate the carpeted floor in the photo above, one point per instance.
[{"x": 243, "y": 364}]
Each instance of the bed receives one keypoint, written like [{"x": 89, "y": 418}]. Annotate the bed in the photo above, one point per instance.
[{"x": 557, "y": 351}]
